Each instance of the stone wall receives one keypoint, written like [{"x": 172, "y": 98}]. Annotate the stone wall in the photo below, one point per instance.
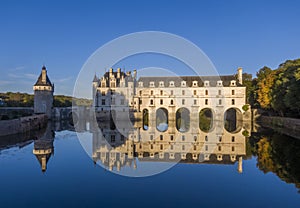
[
  {"x": 23, "y": 124},
  {"x": 288, "y": 126}
]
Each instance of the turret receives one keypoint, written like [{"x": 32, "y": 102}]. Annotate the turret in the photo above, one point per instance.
[{"x": 43, "y": 94}]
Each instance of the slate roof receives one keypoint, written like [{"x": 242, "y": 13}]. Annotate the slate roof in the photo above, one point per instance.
[
  {"x": 126, "y": 77},
  {"x": 189, "y": 80},
  {"x": 39, "y": 81}
]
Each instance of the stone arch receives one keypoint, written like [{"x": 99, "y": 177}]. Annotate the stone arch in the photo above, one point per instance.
[
  {"x": 73, "y": 118},
  {"x": 145, "y": 118},
  {"x": 183, "y": 119},
  {"x": 162, "y": 119},
  {"x": 233, "y": 120},
  {"x": 206, "y": 120}
]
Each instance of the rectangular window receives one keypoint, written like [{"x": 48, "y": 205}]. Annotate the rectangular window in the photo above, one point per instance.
[
  {"x": 232, "y": 92},
  {"x": 140, "y": 92},
  {"x": 232, "y": 139},
  {"x": 220, "y": 102},
  {"x": 161, "y": 137},
  {"x": 122, "y": 101},
  {"x": 232, "y": 102},
  {"x": 171, "y": 137},
  {"x": 183, "y": 92},
  {"x": 161, "y": 92},
  {"x": 112, "y": 138},
  {"x": 220, "y": 92},
  {"x": 206, "y": 92},
  {"x": 103, "y": 101},
  {"x": 151, "y": 92},
  {"x": 195, "y": 102},
  {"x": 195, "y": 92},
  {"x": 171, "y": 102},
  {"x": 151, "y": 102},
  {"x": 183, "y": 101},
  {"x": 161, "y": 101},
  {"x": 140, "y": 102},
  {"x": 206, "y": 101},
  {"x": 171, "y": 92}
]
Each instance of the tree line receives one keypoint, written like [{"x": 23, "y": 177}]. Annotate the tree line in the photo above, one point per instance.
[
  {"x": 17, "y": 99},
  {"x": 276, "y": 90}
]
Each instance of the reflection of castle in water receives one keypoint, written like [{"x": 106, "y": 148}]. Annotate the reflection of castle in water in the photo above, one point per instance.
[{"x": 116, "y": 148}]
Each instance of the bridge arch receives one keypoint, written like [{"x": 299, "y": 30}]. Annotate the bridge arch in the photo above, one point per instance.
[
  {"x": 73, "y": 118},
  {"x": 162, "y": 119},
  {"x": 233, "y": 120},
  {"x": 183, "y": 119},
  {"x": 206, "y": 120}
]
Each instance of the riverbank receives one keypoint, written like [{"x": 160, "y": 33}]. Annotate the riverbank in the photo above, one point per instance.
[
  {"x": 287, "y": 126},
  {"x": 23, "y": 124}
]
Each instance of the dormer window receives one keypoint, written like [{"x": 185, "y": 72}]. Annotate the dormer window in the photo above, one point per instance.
[
  {"x": 195, "y": 83},
  {"x": 103, "y": 84},
  {"x": 151, "y": 84},
  {"x": 140, "y": 84},
  {"x": 183, "y": 84},
  {"x": 206, "y": 83},
  {"x": 233, "y": 83},
  {"x": 171, "y": 83},
  {"x": 112, "y": 84},
  {"x": 161, "y": 84},
  {"x": 219, "y": 83}
]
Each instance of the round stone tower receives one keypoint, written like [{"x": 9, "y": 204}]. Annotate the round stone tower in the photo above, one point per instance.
[{"x": 43, "y": 94}]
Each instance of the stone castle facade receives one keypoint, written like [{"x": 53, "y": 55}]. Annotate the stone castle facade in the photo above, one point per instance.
[{"x": 122, "y": 92}]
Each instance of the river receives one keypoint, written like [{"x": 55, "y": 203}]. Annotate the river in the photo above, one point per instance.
[{"x": 57, "y": 167}]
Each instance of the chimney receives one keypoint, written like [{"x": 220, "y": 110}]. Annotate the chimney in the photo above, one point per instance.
[
  {"x": 134, "y": 74},
  {"x": 44, "y": 75},
  {"x": 118, "y": 73},
  {"x": 110, "y": 72},
  {"x": 240, "y": 165},
  {"x": 240, "y": 75}
]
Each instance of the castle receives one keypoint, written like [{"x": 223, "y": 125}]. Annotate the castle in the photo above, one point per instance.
[{"x": 120, "y": 93}]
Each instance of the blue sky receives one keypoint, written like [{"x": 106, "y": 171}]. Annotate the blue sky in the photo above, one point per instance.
[{"x": 63, "y": 34}]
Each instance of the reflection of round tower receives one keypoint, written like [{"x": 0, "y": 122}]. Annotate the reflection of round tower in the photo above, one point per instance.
[
  {"x": 43, "y": 147},
  {"x": 43, "y": 94}
]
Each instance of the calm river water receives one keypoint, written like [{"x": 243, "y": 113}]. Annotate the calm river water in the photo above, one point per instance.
[{"x": 56, "y": 168}]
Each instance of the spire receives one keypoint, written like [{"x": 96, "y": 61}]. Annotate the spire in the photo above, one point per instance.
[{"x": 95, "y": 78}]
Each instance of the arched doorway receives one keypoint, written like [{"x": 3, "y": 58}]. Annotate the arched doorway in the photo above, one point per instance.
[
  {"x": 162, "y": 119},
  {"x": 182, "y": 119},
  {"x": 145, "y": 119},
  {"x": 206, "y": 120},
  {"x": 233, "y": 120}
]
